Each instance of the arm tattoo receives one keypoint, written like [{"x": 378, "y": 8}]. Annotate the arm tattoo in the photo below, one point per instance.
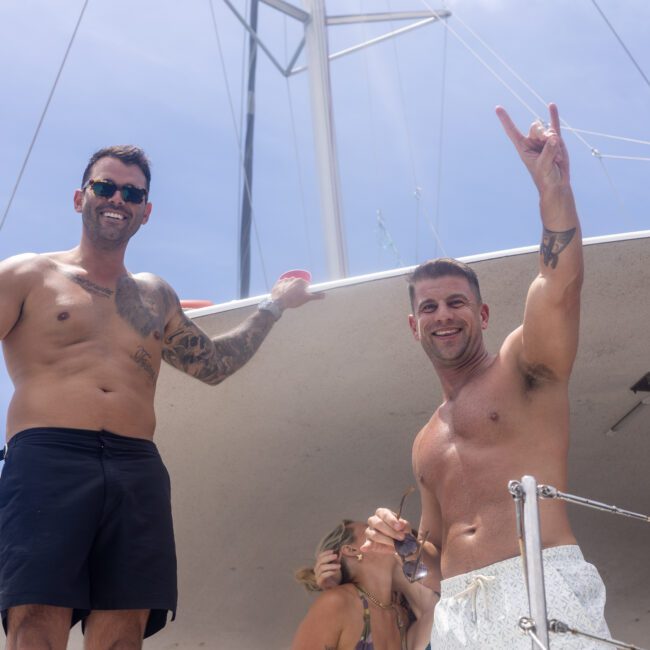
[
  {"x": 212, "y": 360},
  {"x": 553, "y": 243},
  {"x": 143, "y": 359},
  {"x": 140, "y": 309},
  {"x": 89, "y": 286}
]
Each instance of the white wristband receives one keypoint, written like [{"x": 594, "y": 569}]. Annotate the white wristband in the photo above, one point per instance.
[{"x": 270, "y": 306}]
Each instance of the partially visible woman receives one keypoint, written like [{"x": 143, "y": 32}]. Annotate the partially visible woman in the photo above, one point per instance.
[{"x": 364, "y": 611}]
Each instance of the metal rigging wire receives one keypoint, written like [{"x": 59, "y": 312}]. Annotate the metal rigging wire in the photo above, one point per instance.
[
  {"x": 238, "y": 138},
  {"x": 42, "y": 118},
  {"x": 521, "y": 80},
  {"x": 576, "y": 132},
  {"x": 303, "y": 202},
  {"x": 443, "y": 86},
  {"x": 384, "y": 239},
  {"x": 417, "y": 189},
  {"x": 620, "y": 40}
]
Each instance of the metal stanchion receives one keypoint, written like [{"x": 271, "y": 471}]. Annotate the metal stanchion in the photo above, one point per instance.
[
  {"x": 534, "y": 565},
  {"x": 526, "y": 493}
]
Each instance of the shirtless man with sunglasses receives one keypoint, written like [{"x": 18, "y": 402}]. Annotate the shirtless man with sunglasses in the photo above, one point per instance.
[
  {"x": 504, "y": 415},
  {"x": 85, "y": 517}
]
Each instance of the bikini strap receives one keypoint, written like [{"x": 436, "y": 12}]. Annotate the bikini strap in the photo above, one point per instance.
[{"x": 365, "y": 635}]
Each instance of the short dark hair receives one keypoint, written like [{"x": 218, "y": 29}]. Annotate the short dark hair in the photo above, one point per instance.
[
  {"x": 129, "y": 154},
  {"x": 440, "y": 267}
]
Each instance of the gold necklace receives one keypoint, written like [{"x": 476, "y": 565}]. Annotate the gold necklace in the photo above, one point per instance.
[
  {"x": 401, "y": 626},
  {"x": 374, "y": 600}
]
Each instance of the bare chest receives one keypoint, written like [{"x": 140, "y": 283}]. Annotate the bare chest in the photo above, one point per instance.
[
  {"x": 479, "y": 429},
  {"x": 68, "y": 308}
]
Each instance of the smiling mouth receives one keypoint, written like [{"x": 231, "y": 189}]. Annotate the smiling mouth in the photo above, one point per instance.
[
  {"x": 113, "y": 216},
  {"x": 446, "y": 332}
]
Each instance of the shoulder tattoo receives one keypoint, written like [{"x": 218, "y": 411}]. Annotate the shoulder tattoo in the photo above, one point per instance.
[
  {"x": 143, "y": 310},
  {"x": 553, "y": 243}
]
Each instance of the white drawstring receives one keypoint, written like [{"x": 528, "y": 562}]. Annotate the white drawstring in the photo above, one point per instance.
[{"x": 477, "y": 582}]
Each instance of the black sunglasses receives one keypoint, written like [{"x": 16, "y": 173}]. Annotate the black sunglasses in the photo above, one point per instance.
[
  {"x": 414, "y": 570},
  {"x": 106, "y": 189}
]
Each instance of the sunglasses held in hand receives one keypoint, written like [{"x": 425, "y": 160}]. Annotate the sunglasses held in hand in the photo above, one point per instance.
[
  {"x": 414, "y": 570},
  {"x": 106, "y": 189}
]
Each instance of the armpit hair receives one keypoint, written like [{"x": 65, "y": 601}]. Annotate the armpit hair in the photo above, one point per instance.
[{"x": 537, "y": 375}]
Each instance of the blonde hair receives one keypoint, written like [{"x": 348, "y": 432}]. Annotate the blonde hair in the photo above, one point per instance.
[{"x": 333, "y": 541}]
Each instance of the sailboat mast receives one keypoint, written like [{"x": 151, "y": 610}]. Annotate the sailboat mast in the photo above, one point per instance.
[
  {"x": 315, "y": 21},
  {"x": 247, "y": 193},
  {"x": 325, "y": 138}
]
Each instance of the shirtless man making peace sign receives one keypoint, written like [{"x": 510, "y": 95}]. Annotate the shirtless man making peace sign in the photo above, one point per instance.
[{"x": 504, "y": 415}]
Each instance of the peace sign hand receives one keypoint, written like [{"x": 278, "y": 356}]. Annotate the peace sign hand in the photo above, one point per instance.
[{"x": 542, "y": 151}]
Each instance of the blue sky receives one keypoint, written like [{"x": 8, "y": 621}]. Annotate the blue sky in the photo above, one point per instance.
[{"x": 151, "y": 73}]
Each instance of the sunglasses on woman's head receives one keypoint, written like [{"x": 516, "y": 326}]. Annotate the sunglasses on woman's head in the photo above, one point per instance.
[{"x": 106, "y": 189}]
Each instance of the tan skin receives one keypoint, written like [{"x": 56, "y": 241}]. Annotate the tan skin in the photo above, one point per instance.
[
  {"x": 505, "y": 414},
  {"x": 335, "y": 620},
  {"x": 79, "y": 329}
]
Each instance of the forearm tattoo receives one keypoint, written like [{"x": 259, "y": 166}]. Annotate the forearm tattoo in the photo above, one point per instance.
[
  {"x": 553, "y": 243},
  {"x": 89, "y": 286},
  {"x": 212, "y": 360},
  {"x": 143, "y": 359}
]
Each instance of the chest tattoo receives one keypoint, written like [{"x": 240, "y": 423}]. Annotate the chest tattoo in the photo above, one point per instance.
[
  {"x": 141, "y": 312},
  {"x": 90, "y": 287}
]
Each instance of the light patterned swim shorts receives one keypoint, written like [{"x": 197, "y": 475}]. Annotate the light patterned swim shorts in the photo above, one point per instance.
[{"x": 481, "y": 609}]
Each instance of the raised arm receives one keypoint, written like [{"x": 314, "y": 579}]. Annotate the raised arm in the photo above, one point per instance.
[
  {"x": 192, "y": 351},
  {"x": 547, "y": 342}
]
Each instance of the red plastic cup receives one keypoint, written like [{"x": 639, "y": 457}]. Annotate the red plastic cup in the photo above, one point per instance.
[
  {"x": 195, "y": 304},
  {"x": 297, "y": 273}
]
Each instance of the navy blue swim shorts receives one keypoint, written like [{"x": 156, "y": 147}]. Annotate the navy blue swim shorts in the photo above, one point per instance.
[{"x": 86, "y": 523}]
